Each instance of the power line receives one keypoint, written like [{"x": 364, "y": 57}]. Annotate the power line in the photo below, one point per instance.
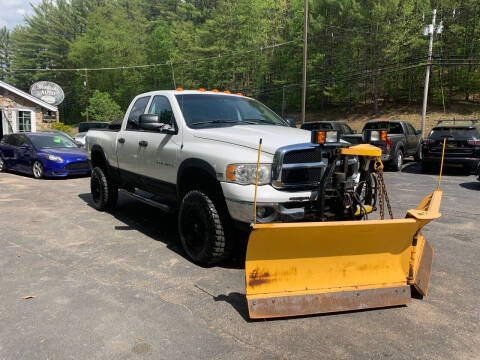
[{"x": 167, "y": 63}]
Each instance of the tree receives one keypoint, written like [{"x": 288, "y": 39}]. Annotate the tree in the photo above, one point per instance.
[
  {"x": 5, "y": 51},
  {"x": 102, "y": 107}
]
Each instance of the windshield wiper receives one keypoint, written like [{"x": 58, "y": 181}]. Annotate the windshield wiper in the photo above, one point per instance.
[
  {"x": 217, "y": 121},
  {"x": 256, "y": 121}
]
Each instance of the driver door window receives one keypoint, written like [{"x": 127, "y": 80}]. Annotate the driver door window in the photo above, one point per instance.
[{"x": 161, "y": 106}]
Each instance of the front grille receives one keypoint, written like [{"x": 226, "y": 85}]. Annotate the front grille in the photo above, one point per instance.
[
  {"x": 302, "y": 176},
  {"x": 79, "y": 165},
  {"x": 302, "y": 156},
  {"x": 298, "y": 166}
]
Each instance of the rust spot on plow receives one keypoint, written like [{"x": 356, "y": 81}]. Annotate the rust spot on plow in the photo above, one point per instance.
[{"x": 257, "y": 277}]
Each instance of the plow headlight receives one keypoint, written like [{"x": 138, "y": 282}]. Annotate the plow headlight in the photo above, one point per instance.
[
  {"x": 376, "y": 135},
  {"x": 244, "y": 174},
  {"x": 323, "y": 137}
]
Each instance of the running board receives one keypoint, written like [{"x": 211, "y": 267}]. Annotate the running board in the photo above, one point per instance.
[{"x": 149, "y": 200}]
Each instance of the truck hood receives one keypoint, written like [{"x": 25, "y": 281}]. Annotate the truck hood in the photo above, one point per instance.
[{"x": 248, "y": 136}]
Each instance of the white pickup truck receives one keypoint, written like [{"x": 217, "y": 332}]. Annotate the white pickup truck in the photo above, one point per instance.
[{"x": 195, "y": 153}]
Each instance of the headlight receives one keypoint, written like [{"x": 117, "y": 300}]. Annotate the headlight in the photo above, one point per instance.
[
  {"x": 244, "y": 174},
  {"x": 54, "y": 158}
]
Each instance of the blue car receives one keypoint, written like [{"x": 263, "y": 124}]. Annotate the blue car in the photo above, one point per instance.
[{"x": 42, "y": 154}]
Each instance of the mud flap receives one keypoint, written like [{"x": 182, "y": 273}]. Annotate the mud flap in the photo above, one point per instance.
[{"x": 309, "y": 268}]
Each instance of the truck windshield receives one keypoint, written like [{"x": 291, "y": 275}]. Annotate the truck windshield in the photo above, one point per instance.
[
  {"x": 454, "y": 132},
  {"x": 205, "y": 110}
]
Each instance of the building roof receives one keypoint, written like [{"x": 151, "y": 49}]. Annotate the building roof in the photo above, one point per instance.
[{"x": 27, "y": 96}]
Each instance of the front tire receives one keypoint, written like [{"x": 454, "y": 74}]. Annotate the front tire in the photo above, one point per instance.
[
  {"x": 104, "y": 190},
  {"x": 37, "y": 170},
  {"x": 2, "y": 164},
  {"x": 202, "y": 229}
]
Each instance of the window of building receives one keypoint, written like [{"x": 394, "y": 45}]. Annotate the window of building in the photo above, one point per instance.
[{"x": 24, "y": 121}]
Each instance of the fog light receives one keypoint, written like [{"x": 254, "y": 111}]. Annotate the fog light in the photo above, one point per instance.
[{"x": 261, "y": 212}]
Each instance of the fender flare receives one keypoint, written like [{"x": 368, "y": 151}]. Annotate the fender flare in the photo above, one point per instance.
[{"x": 194, "y": 163}]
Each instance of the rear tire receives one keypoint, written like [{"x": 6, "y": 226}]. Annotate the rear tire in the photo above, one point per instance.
[
  {"x": 202, "y": 229},
  {"x": 37, "y": 170},
  {"x": 397, "y": 161},
  {"x": 104, "y": 190}
]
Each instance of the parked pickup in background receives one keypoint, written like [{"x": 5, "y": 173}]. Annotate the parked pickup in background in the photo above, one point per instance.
[
  {"x": 194, "y": 153},
  {"x": 341, "y": 127},
  {"x": 402, "y": 140}
]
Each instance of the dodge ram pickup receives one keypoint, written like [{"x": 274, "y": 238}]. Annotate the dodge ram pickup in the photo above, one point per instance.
[{"x": 195, "y": 152}]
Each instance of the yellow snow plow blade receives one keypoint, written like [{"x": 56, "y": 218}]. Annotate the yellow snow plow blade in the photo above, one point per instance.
[{"x": 308, "y": 268}]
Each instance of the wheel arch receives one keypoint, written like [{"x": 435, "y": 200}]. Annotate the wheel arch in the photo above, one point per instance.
[
  {"x": 98, "y": 158},
  {"x": 197, "y": 174}
]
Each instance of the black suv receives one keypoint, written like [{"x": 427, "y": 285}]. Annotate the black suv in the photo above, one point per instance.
[{"x": 462, "y": 144}]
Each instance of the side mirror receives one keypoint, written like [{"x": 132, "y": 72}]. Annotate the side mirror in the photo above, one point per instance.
[
  {"x": 290, "y": 122},
  {"x": 418, "y": 132},
  {"x": 150, "y": 122}
]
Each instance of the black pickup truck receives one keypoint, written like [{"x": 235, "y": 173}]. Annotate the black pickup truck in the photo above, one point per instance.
[
  {"x": 342, "y": 128},
  {"x": 402, "y": 140}
]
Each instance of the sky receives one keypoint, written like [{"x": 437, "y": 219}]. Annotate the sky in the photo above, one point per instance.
[{"x": 12, "y": 12}]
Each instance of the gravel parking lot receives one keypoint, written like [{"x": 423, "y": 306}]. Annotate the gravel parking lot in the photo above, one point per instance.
[{"x": 117, "y": 286}]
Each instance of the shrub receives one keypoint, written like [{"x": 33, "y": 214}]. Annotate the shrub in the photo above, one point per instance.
[{"x": 101, "y": 107}]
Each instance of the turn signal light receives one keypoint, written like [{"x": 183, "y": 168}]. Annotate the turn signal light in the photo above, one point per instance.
[
  {"x": 383, "y": 135},
  {"x": 318, "y": 137}
]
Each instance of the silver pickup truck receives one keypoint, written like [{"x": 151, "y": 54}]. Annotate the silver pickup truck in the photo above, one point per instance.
[{"x": 195, "y": 153}]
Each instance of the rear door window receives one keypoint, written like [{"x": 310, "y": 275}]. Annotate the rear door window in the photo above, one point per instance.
[
  {"x": 138, "y": 109},
  {"x": 346, "y": 129}
]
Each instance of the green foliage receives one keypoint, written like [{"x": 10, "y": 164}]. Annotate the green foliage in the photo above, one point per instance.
[
  {"x": 61, "y": 127},
  {"x": 4, "y": 52},
  {"x": 103, "y": 108},
  {"x": 360, "y": 51}
]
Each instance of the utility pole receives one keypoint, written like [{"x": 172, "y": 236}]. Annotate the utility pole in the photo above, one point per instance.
[
  {"x": 429, "y": 30},
  {"x": 304, "y": 70},
  {"x": 86, "y": 94}
]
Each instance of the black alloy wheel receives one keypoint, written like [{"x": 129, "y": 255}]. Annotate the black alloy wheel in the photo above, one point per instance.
[{"x": 202, "y": 229}]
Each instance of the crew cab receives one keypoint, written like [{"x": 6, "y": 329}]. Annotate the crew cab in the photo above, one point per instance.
[
  {"x": 195, "y": 153},
  {"x": 462, "y": 146},
  {"x": 401, "y": 140}
]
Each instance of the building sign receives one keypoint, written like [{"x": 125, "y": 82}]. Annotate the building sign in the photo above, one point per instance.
[{"x": 47, "y": 91}]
